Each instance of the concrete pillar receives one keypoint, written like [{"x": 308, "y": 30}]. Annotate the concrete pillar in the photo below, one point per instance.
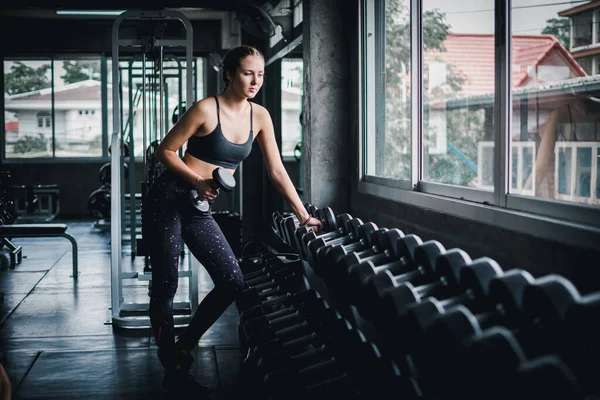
[{"x": 326, "y": 133}]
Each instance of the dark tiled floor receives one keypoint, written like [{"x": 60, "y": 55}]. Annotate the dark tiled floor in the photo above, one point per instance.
[{"x": 56, "y": 341}]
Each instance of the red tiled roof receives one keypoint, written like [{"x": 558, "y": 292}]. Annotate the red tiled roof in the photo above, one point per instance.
[
  {"x": 86, "y": 90},
  {"x": 11, "y": 126},
  {"x": 473, "y": 56}
]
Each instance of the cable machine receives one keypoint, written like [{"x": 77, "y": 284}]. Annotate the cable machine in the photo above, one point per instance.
[{"x": 134, "y": 313}]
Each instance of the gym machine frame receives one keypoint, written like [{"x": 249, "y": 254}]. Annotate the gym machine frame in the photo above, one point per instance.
[
  {"x": 118, "y": 306},
  {"x": 134, "y": 97}
]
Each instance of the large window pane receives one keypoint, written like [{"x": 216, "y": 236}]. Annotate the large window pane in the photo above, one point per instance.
[
  {"x": 388, "y": 145},
  {"x": 291, "y": 105},
  {"x": 582, "y": 28},
  {"x": 158, "y": 120},
  {"x": 28, "y": 108},
  {"x": 458, "y": 93},
  {"x": 78, "y": 107},
  {"x": 555, "y": 102}
]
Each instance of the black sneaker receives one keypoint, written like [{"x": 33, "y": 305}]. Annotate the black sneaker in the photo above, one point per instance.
[{"x": 183, "y": 385}]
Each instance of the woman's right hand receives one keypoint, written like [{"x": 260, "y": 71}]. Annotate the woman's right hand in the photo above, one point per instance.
[{"x": 206, "y": 189}]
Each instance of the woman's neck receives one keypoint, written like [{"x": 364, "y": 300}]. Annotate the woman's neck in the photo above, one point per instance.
[{"x": 234, "y": 101}]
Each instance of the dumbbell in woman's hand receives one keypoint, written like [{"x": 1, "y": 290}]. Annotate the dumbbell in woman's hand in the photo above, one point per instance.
[{"x": 221, "y": 179}]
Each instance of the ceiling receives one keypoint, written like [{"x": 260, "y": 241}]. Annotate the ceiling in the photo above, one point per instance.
[{"x": 44, "y": 8}]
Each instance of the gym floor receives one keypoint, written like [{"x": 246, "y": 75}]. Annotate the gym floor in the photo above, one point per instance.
[{"x": 56, "y": 340}]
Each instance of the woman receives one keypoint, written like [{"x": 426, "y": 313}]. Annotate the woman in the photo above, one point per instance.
[{"x": 219, "y": 131}]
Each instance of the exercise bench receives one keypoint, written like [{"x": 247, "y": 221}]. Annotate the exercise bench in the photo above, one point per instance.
[{"x": 42, "y": 230}]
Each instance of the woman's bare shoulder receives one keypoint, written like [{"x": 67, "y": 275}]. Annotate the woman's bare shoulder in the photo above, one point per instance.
[
  {"x": 204, "y": 105},
  {"x": 261, "y": 112}
]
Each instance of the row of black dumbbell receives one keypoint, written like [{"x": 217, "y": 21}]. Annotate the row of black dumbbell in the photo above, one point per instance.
[
  {"x": 386, "y": 268},
  {"x": 293, "y": 331},
  {"x": 304, "y": 346},
  {"x": 287, "y": 226},
  {"x": 270, "y": 276}
]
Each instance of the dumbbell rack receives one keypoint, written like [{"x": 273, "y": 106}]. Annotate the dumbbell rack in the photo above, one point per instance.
[
  {"x": 457, "y": 328},
  {"x": 298, "y": 345}
]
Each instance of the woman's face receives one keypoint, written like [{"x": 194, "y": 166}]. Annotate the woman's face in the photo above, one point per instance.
[{"x": 248, "y": 77}]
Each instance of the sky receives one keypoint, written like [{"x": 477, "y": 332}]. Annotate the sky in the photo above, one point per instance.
[{"x": 477, "y": 16}]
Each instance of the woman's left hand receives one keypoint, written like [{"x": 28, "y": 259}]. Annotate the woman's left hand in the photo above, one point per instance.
[{"x": 315, "y": 223}]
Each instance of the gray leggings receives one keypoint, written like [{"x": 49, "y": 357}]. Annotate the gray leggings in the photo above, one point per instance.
[{"x": 167, "y": 218}]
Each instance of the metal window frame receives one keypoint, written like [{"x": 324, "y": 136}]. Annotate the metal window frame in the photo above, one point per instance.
[{"x": 569, "y": 223}]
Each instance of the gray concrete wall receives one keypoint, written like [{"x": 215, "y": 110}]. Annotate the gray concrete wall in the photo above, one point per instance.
[{"x": 326, "y": 142}]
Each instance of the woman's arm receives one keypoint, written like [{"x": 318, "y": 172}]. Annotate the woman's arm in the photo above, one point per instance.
[
  {"x": 5, "y": 385},
  {"x": 276, "y": 170},
  {"x": 186, "y": 126}
]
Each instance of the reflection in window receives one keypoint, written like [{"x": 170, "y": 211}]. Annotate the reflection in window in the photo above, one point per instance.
[
  {"x": 78, "y": 87},
  {"x": 565, "y": 156},
  {"x": 66, "y": 133},
  {"x": 584, "y": 172},
  {"x": 458, "y": 98},
  {"x": 522, "y": 159},
  {"x": 291, "y": 104},
  {"x": 582, "y": 29},
  {"x": 388, "y": 144},
  {"x": 577, "y": 170},
  {"x": 485, "y": 165},
  {"x": 27, "y": 99},
  {"x": 555, "y": 106}
]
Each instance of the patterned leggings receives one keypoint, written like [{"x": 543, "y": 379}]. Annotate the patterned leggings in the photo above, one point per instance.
[{"x": 167, "y": 218}]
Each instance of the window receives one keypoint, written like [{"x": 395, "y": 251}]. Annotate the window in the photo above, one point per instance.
[
  {"x": 145, "y": 98},
  {"x": 554, "y": 109},
  {"x": 44, "y": 119},
  {"x": 47, "y": 94},
  {"x": 439, "y": 132},
  {"x": 27, "y": 105},
  {"x": 387, "y": 138},
  {"x": 582, "y": 29},
  {"x": 291, "y": 105},
  {"x": 577, "y": 175}
]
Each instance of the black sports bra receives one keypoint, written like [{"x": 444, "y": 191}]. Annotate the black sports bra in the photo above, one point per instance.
[{"x": 216, "y": 149}]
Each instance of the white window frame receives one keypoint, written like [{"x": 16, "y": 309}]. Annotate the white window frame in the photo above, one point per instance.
[
  {"x": 574, "y": 146},
  {"x": 571, "y": 223}
]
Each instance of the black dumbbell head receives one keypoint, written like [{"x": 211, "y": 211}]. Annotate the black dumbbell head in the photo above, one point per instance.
[
  {"x": 327, "y": 217},
  {"x": 224, "y": 179},
  {"x": 407, "y": 246},
  {"x": 506, "y": 292},
  {"x": 390, "y": 240},
  {"x": 489, "y": 363},
  {"x": 426, "y": 253},
  {"x": 476, "y": 276},
  {"x": 547, "y": 377},
  {"x": 450, "y": 263},
  {"x": 548, "y": 298}
]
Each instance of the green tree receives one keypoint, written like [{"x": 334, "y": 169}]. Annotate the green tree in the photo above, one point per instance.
[
  {"x": 560, "y": 28},
  {"x": 77, "y": 71},
  {"x": 22, "y": 78},
  {"x": 396, "y": 135}
]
